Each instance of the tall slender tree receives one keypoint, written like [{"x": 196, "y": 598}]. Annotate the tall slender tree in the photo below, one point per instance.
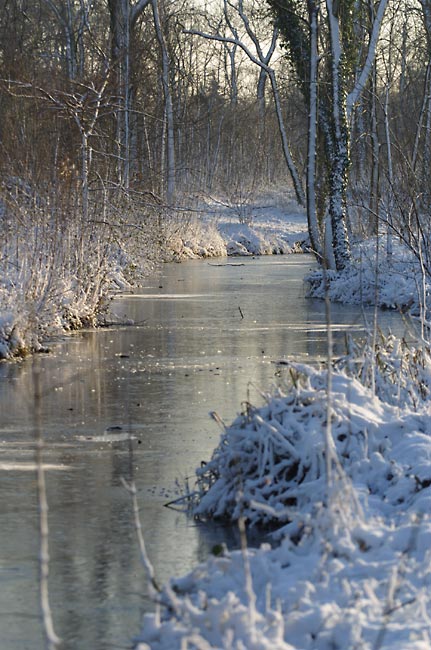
[
  {"x": 336, "y": 77},
  {"x": 123, "y": 17}
]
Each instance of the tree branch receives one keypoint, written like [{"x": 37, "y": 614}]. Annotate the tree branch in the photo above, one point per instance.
[
  {"x": 353, "y": 96},
  {"x": 137, "y": 9}
]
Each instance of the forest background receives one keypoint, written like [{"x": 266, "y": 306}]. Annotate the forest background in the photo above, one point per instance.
[{"x": 121, "y": 119}]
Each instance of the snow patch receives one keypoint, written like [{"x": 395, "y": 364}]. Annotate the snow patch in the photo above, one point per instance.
[
  {"x": 352, "y": 569},
  {"x": 373, "y": 277}
]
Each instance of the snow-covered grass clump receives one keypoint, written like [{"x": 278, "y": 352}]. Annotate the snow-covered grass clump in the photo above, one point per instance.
[
  {"x": 190, "y": 237},
  {"x": 352, "y": 570},
  {"x": 274, "y": 456},
  {"x": 11, "y": 339},
  {"x": 394, "y": 281},
  {"x": 399, "y": 373}
]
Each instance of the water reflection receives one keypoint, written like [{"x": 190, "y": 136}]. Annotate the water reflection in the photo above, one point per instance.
[{"x": 193, "y": 352}]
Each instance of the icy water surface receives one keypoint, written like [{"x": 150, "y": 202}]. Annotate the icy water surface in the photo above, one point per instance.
[{"x": 133, "y": 402}]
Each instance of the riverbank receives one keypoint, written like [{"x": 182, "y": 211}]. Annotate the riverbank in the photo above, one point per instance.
[
  {"x": 270, "y": 223},
  {"x": 60, "y": 277},
  {"x": 56, "y": 280},
  {"x": 352, "y": 568},
  {"x": 395, "y": 279}
]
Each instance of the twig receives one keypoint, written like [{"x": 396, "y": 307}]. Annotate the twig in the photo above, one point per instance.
[
  {"x": 329, "y": 443},
  {"x": 215, "y": 416},
  {"x": 131, "y": 489},
  {"x": 247, "y": 576},
  {"x": 52, "y": 640},
  {"x": 228, "y": 264},
  {"x": 185, "y": 497}
]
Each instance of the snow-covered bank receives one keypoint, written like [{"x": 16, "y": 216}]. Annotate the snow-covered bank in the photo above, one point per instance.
[
  {"x": 57, "y": 269},
  {"x": 57, "y": 275},
  {"x": 392, "y": 281},
  {"x": 268, "y": 223},
  {"x": 194, "y": 238},
  {"x": 47, "y": 288},
  {"x": 353, "y": 566},
  {"x": 272, "y": 224}
]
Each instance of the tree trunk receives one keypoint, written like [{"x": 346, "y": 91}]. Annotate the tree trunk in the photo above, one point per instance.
[
  {"x": 313, "y": 227},
  {"x": 284, "y": 141},
  {"x": 390, "y": 202},
  {"x": 123, "y": 16},
  {"x": 169, "y": 111},
  {"x": 120, "y": 42},
  {"x": 375, "y": 158},
  {"x": 339, "y": 157}
]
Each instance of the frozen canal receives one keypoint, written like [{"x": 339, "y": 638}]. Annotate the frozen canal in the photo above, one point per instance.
[{"x": 133, "y": 402}]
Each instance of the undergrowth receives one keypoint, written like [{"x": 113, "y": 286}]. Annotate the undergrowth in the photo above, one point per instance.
[{"x": 270, "y": 463}]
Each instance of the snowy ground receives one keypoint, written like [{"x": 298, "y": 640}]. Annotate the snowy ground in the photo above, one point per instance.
[
  {"x": 394, "y": 281},
  {"x": 270, "y": 223},
  {"x": 353, "y": 569}
]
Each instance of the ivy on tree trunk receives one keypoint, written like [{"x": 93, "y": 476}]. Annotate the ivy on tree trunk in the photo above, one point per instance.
[{"x": 323, "y": 83}]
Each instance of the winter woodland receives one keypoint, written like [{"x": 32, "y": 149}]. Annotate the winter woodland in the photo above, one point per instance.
[{"x": 139, "y": 132}]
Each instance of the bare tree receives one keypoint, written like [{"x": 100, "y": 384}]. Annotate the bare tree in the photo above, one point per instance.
[
  {"x": 168, "y": 108},
  {"x": 262, "y": 61},
  {"x": 123, "y": 17},
  {"x": 297, "y": 26}
]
